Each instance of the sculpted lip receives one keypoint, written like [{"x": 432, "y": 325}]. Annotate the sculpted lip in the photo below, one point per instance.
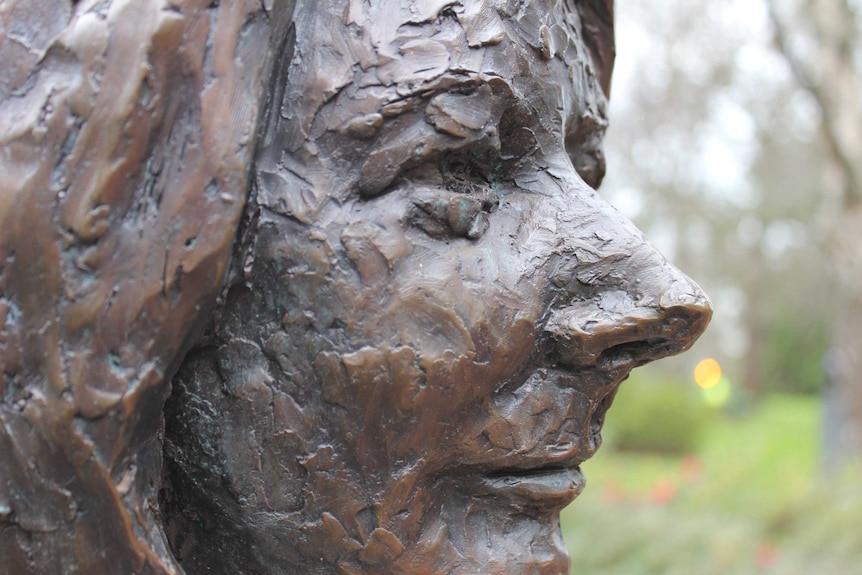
[
  {"x": 559, "y": 481},
  {"x": 542, "y": 489},
  {"x": 545, "y": 476},
  {"x": 543, "y": 483}
]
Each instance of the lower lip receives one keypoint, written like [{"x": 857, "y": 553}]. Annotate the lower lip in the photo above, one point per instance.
[{"x": 541, "y": 489}]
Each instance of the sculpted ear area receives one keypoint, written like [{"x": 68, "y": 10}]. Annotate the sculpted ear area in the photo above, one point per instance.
[{"x": 115, "y": 235}]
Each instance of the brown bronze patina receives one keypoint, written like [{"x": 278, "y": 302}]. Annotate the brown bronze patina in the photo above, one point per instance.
[{"x": 310, "y": 287}]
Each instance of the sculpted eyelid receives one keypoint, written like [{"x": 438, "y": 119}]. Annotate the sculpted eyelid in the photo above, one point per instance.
[
  {"x": 487, "y": 129},
  {"x": 387, "y": 163}
]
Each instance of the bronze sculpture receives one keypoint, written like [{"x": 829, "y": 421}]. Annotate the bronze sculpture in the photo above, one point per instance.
[{"x": 361, "y": 233}]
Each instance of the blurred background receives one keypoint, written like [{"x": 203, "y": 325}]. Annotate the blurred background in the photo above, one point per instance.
[{"x": 736, "y": 145}]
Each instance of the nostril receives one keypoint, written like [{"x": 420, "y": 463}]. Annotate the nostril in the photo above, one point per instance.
[
  {"x": 585, "y": 335},
  {"x": 634, "y": 353}
]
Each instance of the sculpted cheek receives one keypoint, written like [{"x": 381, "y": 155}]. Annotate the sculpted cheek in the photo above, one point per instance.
[
  {"x": 374, "y": 250},
  {"x": 417, "y": 319}
]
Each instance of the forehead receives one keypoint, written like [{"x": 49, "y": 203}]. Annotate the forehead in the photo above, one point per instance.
[
  {"x": 362, "y": 73},
  {"x": 392, "y": 49}
]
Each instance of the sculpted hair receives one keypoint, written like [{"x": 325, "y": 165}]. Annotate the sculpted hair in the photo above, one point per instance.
[{"x": 127, "y": 135}]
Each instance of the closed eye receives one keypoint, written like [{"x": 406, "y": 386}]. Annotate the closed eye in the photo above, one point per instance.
[{"x": 468, "y": 145}]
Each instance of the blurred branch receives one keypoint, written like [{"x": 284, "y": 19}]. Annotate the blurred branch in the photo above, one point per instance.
[{"x": 830, "y": 78}]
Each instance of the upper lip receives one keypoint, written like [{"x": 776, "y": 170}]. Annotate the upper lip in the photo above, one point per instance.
[
  {"x": 547, "y": 488},
  {"x": 579, "y": 438},
  {"x": 518, "y": 465},
  {"x": 550, "y": 482},
  {"x": 540, "y": 459}
]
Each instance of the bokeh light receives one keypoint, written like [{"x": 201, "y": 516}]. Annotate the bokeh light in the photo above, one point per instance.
[
  {"x": 707, "y": 373},
  {"x": 718, "y": 396}
]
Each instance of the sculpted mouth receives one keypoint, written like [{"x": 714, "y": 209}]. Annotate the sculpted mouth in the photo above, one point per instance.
[
  {"x": 531, "y": 481},
  {"x": 541, "y": 489},
  {"x": 539, "y": 432}
]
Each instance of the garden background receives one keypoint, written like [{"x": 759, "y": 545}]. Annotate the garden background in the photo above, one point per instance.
[{"x": 736, "y": 145}]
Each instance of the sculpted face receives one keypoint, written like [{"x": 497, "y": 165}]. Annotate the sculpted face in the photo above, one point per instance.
[{"x": 433, "y": 308}]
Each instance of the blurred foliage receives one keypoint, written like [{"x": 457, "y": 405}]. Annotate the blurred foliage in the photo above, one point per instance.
[
  {"x": 748, "y": 500},
  {"x": 656, "y": 413},
  {"x": 794, "y": 351},
  {"x": 714, "y": 151}
]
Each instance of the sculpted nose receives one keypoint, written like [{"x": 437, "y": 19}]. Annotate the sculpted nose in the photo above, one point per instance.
[{"x": 651, "y": 311}]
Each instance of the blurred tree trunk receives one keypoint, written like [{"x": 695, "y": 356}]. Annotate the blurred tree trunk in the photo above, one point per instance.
[
  {"x": 818, "y": 41},
  {"x": 753, "y": 375}
]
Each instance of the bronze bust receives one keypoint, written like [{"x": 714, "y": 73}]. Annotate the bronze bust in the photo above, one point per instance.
[{"x": 310, "y": 287}]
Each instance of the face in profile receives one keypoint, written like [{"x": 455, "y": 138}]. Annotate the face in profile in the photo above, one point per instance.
[{"x": 434, "y": 308}]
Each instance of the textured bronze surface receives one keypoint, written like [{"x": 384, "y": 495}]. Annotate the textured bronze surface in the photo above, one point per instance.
[{"x": 359, "y": 236}]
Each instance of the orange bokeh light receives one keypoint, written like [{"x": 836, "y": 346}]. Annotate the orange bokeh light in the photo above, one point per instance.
[{"x": 707, "y": 373}]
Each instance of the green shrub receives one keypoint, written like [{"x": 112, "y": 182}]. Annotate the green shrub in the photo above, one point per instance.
[
  {"x": 793, "y": 350},
  {"x": 652, "y": 413},
  {"x": 760, "y": 505}
]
